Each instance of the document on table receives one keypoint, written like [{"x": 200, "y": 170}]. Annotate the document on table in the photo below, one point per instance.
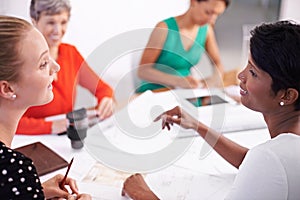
[
  {"x": 103, "y": 182},
  {"x": 103, "y": 175},
  {"x": 177, "y": 184},
  {"x": 227, "y": 118},
  {"x": 174, "y": 183}
]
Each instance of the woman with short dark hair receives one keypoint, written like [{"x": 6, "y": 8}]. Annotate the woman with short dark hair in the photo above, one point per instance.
[{"x": 270, "y": 84}]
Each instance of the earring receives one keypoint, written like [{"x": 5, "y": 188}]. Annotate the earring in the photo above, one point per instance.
[
  {"x": 14, "y": 96},
  {"x": 281, "y": 103}
]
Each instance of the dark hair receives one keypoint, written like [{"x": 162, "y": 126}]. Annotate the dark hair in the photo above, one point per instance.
[
  {"x": 12, "y": 31},
  {"x": 275, "y": 48},
  {"x": 51, "y": 7},
  {"x": 227, "y": 2}
]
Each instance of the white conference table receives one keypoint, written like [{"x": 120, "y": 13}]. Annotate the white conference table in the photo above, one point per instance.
[{"x": 187, "y": 175}]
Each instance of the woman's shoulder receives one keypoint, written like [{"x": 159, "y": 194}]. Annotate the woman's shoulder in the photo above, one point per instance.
[
  {"x": 170, "y": 19},
  {"x": 165, "y": 22},
  {"x": 161, "y": 24},
  {"x": 18, "y": 175},
  {"x": 284, "y": 148},
  {"x": 68, "y": 50},
  {"x": 169, "y": 23},
  {"x": 67, "y": 46},
  {"x": 6, "y": 153},
  {"x": 12, "y": 160},
  {"x": 283, "y": 139}
]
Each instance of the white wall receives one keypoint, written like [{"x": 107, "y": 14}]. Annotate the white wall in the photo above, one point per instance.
[
  {"x": 290, "y": 10},
  {"x": 96, "y": 23},
  {"x": 15, "y": 7}
]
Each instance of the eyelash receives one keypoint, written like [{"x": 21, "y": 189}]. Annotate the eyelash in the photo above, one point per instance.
[
  {"x": 208, "y": 12},
  {"x": 51, "y": 23},
  {"x": 253, "y": 73},
  {"x": 62, "y": 23},
  {"x": 44, "y": 64}
]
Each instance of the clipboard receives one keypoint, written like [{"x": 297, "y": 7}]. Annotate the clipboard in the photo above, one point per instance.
[{"x": 44, "y": 159}]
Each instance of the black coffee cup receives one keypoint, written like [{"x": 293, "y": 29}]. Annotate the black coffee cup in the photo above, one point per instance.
[{"x": 77, "y": 129}]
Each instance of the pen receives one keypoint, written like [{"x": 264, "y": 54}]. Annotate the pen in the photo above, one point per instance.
[{"x": 62, "y": 183}]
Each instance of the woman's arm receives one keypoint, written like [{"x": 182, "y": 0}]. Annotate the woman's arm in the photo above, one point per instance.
[
  {"x": 104, "y": 93},
  {"x": 229, "y": 150},
  {"x": 92, "y": 82},
  {"x": 33, "y": 126}
]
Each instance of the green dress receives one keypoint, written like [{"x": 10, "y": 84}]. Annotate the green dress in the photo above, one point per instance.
[{"x": 174, "y": 59}]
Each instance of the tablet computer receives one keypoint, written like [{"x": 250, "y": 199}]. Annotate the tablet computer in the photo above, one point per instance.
[
  {"x": 206, "y": 100},
  {"x": 44, "y": 159}
]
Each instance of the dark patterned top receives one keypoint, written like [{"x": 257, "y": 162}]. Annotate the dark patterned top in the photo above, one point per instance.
[{"x": 18, "y": 176}]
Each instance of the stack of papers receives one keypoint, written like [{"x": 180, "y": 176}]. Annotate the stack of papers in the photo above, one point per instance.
[{"x": 228, "y": 118}]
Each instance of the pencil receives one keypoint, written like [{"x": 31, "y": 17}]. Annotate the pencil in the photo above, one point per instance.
[{"x": 62, "y": 183}]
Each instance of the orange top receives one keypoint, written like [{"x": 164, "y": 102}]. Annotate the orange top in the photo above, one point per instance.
[{"x": 73, "y": 70}]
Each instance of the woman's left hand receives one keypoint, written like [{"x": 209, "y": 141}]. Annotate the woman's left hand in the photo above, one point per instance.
[{"x": 105, "y": 108}]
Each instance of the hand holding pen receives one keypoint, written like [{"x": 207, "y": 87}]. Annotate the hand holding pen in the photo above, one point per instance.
[{"x": 55, "y": 187}]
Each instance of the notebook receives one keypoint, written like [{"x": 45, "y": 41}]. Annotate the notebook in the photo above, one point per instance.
[{"x": 45, "y": 159}]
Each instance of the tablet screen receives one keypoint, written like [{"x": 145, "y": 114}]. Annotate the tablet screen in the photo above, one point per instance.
[{"x": 206, "y": 100}]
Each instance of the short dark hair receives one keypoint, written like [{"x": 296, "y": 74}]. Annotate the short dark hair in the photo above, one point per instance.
[
  {"x": 227, "y": 2},
  {"x": 275, "y": 48}
]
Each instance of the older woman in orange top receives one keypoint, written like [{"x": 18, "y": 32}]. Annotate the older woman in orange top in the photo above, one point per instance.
[{"x": 51, "y": 19}]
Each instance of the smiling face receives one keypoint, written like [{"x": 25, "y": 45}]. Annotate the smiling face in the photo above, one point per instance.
[
  {"x": 34, "y": 86},
  {"x": 53, "y": 27},
  {"x": 204, "y": 12},
  {"x": 256, "y": 92}
]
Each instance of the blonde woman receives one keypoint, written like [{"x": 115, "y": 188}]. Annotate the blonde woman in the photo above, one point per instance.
[{"x": 26, "y": 76}]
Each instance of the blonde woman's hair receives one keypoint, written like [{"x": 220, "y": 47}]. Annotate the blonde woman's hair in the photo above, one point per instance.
[{"x": 12, "y": 31}]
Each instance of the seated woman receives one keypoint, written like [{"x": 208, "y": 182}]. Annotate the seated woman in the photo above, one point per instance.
[
  {"x": 269, "y": 84},
  {"x": 25, "y": 80},
  {"x": 176, "y": 45},
  {"x": 51, "y": 18}
]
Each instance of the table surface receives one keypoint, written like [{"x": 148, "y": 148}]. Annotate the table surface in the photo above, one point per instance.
[{"x": 112, "y": 152}]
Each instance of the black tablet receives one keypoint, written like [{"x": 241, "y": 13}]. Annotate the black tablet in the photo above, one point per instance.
[{"x": 206, "y": 100}]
